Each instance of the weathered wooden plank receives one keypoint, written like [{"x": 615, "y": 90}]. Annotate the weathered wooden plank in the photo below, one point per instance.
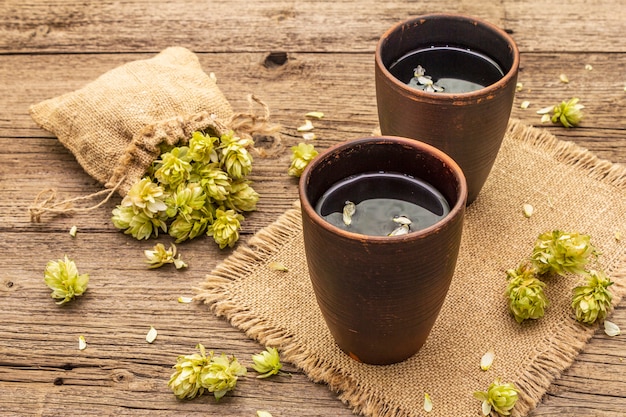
[{"x": 319, "y": 26}]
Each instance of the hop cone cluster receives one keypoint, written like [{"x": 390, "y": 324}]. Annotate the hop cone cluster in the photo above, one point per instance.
[
  {"x": 197, "y": 373},
  {"x": 501, "y": 397},
  {"x": 592, "y": 300},
  {"x": 189, "y": 189},
  {"x": 558, "y": 252},
  {"x": 526, "y": 297}
]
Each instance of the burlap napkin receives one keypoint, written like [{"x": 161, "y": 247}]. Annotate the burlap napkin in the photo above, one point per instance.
[{"x": 569, "y": 188}]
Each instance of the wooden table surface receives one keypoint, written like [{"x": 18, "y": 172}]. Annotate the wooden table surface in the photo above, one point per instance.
[{"x": 52, "y": 47}]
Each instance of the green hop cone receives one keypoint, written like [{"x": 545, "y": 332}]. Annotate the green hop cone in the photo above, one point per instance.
[
  {"x": 592, "y": 300},
  {"x": 559, "y": 252},
  {"x": 185, "y": 381},
  {"x": 242, "y": 196},
  {"x": 267, "y": 363},
  {"x": 138, "y": 224},
  {"x": 220, "y": 375},
  {"x": 301, "y": 155},
  {"x": 215, "y": 182},
  {"x": 500, "y": 397},
  {"x": 236, "y": 160},
  {"x": 145, "y": 196},
  {"x": 189, "y": 226},
  {"x": 568, "y": 113},
  {"x": 185, "y": 200},
  {"x": 64, "y": 280},
  {"x": 202, "y": 148},
  {"x": 526, "y": 297},
  {"x": 174, "y": 167},
  {"x": 225, "y": 227}
]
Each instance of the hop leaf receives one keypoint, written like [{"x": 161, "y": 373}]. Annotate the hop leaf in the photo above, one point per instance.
[
  {"x": 592, "y": 300},
  {"x": 559, "y": 252},
  {"x": 526, "y": 297},
  {"x": 185, "y": 381},
  {"x": 220, "y": 375},
  {"x": 225, "y": 227},
  {"x": 500, "y": 397},
  {"x": 301, "y": 155},
  {"x": 267, "y": 363},
  {"x": 63, "y": 278}
]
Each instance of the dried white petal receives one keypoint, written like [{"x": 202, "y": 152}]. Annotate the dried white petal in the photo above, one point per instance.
[
  {"x": 179, "y": 263},
  {"x": 419, "y": 71},
  {"x": 546, "y": 110},
  {"x": 486, "y": 408},
  {"x": 185, "y": 300},
  {"x": 611, "y": 328},
  {"x": 528, "y": 210},
  {"x": 401, "y": 230},
  {"x": 307, "y": 126},
  {"x": 348, "y": 211},
  {"x": 563, "y": 78},
  {"x": 82, "y": 344},
  {"x": 213, "y": 76},
  {"x": 402, "y": 220},
  {"x": 277, "y": 266},
  {"x": 73, "y": 231},
  {"x": 316, "y": 114},
  {"x": 487, "y": 360},
  {"x": 618, "y": 236},
  {"x": 428, "y": 403},
  {"x": 525, "y": 104},
  {"x": 309, "y": 136},
  {"x": 545, "y": 118},
  {"x": 261, "y": 413},
  {"x": 588, "y": 67},
  {"x": 519, "y": 87},
  {"x": 152, "y": 335}
]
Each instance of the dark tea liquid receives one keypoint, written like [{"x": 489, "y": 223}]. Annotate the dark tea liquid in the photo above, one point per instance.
[
  {"x": 457, "y": 70},
  {"x": 379, "y": 198}
]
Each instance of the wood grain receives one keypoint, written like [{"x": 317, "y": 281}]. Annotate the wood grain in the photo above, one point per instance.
[{"x": 50, "y": 48}]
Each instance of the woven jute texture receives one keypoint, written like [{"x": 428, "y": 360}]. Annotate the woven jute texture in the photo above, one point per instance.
[
  {"x": 115, "y": 124},
  {"x": 569, "y": 188}
]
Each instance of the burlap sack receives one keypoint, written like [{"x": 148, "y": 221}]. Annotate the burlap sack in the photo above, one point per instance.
[{"x": 115, "y": 125}]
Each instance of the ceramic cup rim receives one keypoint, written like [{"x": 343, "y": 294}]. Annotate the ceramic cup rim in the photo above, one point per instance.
[
  {"x": 420, "y": 147},
  {"x": 487, "y": 90}
]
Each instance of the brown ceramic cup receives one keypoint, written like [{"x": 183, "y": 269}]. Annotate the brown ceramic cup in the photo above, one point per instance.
[
  {"x": 468, "y": 126},
  {"x": 380, "y": 295}
]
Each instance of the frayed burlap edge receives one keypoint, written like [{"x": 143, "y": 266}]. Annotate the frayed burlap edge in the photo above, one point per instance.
[{"x": 561, "y": 349}]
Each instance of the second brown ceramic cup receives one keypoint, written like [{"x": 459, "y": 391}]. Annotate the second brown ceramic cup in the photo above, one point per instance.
[
  {"x": 467, "y": 126},
  {"x": 380, "y": 295}
]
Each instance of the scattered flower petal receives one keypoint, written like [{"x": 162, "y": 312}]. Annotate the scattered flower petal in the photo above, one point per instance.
[
  {"x": 348, "y": 211},
  {"x": 402, "y": 220},
  {"x": 261, "y": 413},
  {"x": 618, "y": 236},
  {"x": 487, "y": 360},
  {"x": 403, "y": 229},
  {"x": 277, "y": 266},
  {"x": 82, "y": 344},
  {"x": 316, "y": 114},
  {"x": 73, "y": 231},
  {"x": 428, "y": 403},
  {"x": 611, "y": 329},
  {"x": 307, "y": 126},
  {"x": 545, "y": 118},
  {"x": 528, "y": 210},
  {"x": 588, "y": 67},
  {"x": 309, "y": 136},
  {"x": 545, "y": 110},
  {"x": 525, "y": 104},
  {"x": 185, "y": 300},
  {"x": 152, "y": 335},
  {"x": 563, "y": 78},
  {"x": 519, "y": 87}
]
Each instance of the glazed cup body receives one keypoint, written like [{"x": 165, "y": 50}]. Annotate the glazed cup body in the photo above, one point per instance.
[
  {"x": 467, "y": 126},
  {"x": 380, "y": 295}
]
